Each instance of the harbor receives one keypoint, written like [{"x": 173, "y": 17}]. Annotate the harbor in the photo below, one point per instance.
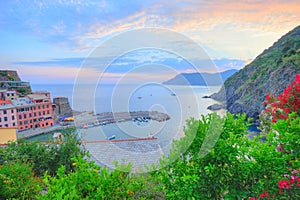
[{"x": 85, "y": 120}]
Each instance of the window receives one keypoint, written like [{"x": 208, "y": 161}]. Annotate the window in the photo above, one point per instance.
[
  {"x": 14, "y": 124},
  {"x": 12, "y": 111},
  {"x": 6, "y": 125},
  {"x": 44, "y": 112},
  {"x": 5, "y": 119},
  {"x": 12, "y": 117},
  {"x": 0, "y": 119},
  {"x": 30, "y": 115},
  {"x": 20, "y": 116},
  {"x": 21, "y": 124},
  {"x": 31, "y": 121},
  {"x": 35, "y": 114},
  {"x": 39, "y": 107},
  {"x": 48, "y": 112},
  {"x": 25, "y": 122},
  {"x": 24, "y": 116},
  {"x": 4, "y": 112},
  {"x": 47, "y": 106}
]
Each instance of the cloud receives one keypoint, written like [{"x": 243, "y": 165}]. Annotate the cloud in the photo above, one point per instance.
[{"x": 226, "y": 28}]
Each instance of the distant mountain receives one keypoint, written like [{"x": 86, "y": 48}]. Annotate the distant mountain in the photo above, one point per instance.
[
  {"x": 270, "y": 72},
  {"x": 203, "y": 79}
]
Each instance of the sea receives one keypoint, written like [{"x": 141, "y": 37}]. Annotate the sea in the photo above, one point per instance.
[{"x": 179, "y": 102}]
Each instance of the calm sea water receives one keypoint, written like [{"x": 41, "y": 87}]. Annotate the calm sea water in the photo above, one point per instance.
[{"x": 179, "y": 102}]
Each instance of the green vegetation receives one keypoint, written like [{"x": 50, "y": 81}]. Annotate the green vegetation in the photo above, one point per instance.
[
  {"x": 42, "y": 157},
  {"x": 214, "y": 160},
  {"x": 236, "y": 167}
]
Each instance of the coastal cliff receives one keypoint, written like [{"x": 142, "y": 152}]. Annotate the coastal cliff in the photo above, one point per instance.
[{"x": 270, "y": 72}]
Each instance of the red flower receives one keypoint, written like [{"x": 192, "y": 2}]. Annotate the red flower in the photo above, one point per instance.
[
  {"x": 287, "y": 110},
  {"x": 283, "y": 184},
  {"x": 268, "y": 97}
]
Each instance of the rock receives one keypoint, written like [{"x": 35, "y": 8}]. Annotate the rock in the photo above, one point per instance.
[
  {"x": 215, "y": 107},
  {"x": 206, "y": 97}
]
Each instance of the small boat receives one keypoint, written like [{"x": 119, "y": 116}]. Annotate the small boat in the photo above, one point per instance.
[
  {"x": 84, "y": 126},
  {"x": 111, "y": 137}
]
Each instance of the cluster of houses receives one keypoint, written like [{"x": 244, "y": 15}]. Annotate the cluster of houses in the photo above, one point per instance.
[{"x": 32, "y": 111}]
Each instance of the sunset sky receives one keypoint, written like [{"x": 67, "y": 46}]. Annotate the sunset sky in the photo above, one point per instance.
[{"x": 47, "y": 41}]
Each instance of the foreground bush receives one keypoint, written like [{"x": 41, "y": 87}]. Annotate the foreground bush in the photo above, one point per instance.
[
  {"x": 235, "y": 168},
  {"x": 43, "y": 157},
  {"x": 18, "y": 181},
  {"x": 90, "y": 181}
]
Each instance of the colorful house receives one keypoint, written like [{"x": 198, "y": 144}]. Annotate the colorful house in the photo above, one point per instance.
[
  {"x": 8, "y": 114},
  {"x": 8, "y": 94},
  {"x": 34, "y": 111}
]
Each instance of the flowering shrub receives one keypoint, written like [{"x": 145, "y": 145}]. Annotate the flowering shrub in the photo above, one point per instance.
[
  {"x": 288, "y": 188},
  {"x": 289, "y": 101},
  {"x": 18, "y": 181},
  {"x": 283, "y": 133}
]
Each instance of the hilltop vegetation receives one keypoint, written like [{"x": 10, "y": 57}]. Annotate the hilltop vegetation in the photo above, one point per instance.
[{"x": 8, "y": 76}]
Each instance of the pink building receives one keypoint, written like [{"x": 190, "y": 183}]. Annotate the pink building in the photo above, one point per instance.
[
  {"x": 34, "y": 111},
  {"x": 43, "y": 108},
  {"x": 8, "y": 115}
]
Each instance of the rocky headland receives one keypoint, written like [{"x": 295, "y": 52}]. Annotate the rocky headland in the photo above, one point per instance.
[{"x": 270, "y": 72}]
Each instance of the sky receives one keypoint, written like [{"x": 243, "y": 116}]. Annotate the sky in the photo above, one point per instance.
[{"x": 50, "y": 41}]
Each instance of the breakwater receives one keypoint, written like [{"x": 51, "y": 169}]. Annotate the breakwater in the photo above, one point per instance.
[
  {"x": 110, "y": 117},
  {"x": 89, "y": 119}
]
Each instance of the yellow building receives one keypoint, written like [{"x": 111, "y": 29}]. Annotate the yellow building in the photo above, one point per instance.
[{"x": 7, "y": 134}]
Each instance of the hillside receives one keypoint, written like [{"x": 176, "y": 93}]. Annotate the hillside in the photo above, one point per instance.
[
  {"x": 9, "y": 79},
  {"x": 270, "y": 72},
  {"x": 202, "y": 79}
]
